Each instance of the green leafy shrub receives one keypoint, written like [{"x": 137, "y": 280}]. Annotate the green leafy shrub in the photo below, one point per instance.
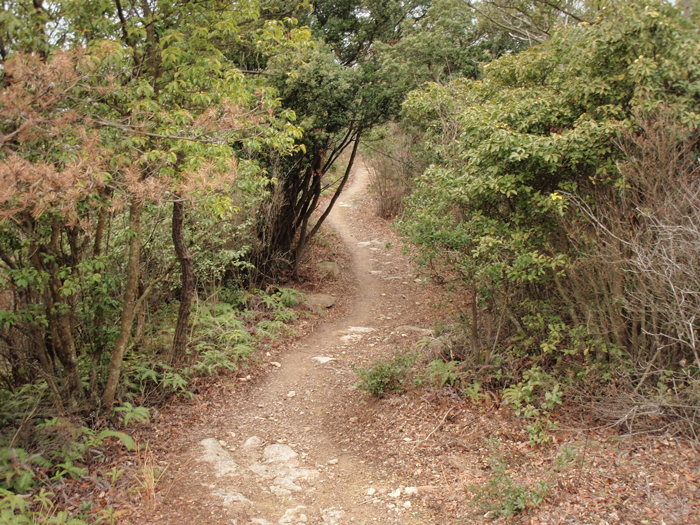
[
  {"x": 129, "y": 413},
  {"x": 501, "y": 495},
  {"x": 442, "y": 373},
  {"x": 386, "y": 376},
  {"x": 559, "y": 184},
  {"x": 37, "y": 508}
]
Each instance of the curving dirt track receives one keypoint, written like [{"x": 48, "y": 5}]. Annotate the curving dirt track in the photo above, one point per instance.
[{"x": 280, "y": 451}]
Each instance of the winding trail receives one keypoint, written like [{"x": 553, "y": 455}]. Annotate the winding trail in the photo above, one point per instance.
[{"x": 275, "y": 457}]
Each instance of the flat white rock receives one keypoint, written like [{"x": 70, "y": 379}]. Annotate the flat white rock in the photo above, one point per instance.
[
  {"x": 278, "y": 453},
  {"x": 323, "y": 359},
  {"x": 252, "y": 442},
  {"x": 218, "y": 457},
  {"x": 232, "y": 497},
  {"x": 332, "y": 516},
  {"x": 293, "y": 516}
]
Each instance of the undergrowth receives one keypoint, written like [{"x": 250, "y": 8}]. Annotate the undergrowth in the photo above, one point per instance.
[{"x": 39, "y": 449}]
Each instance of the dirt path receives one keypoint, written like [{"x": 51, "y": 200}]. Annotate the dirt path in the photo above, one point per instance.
[{"x": 276, "y": 454}]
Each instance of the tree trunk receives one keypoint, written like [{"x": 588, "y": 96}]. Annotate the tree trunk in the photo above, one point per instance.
[
  {"x": 475, "y": 326},
  {"x": 140, "y": 318},
  {"x": 346, "y": 176},
  {"x": 184, "y": 257},
  {"x": 128, "y": 308}
]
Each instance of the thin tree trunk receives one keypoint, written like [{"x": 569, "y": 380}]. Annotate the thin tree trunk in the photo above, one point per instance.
[
  {"x": 140, "y": 318},
  {"x": 128, "y": 308},
  {"x": 346, "y": 176},
  {"x": 475, "y": 327},
  {"x": 98, "y": 342},
  {"x": 184, "y": 257}
]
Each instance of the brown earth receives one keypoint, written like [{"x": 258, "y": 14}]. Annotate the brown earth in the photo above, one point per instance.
[{"x": 356, "y": 455}]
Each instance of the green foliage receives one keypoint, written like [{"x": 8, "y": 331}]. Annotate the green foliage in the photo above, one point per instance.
[
  {"x": 17, "y": 469},
  {"x": 473, "y": 391},
  {"x": 534, "y": 398},
  {"x": 17, "y": 510},
  {"x": 442, "y": 373},
  {"x": 532, "y": 165},
  {"x": 131, "y": 414},
  {"x": 501, "y": 495},
  {"x": 386, "y": 376}
]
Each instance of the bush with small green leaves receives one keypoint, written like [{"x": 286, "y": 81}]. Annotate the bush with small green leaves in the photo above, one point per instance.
[
  {"x": 386, "y": 376},
  {"x": 501, "y": 495}
]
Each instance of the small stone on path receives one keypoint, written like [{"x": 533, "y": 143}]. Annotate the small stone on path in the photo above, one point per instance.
[
  {"x": 333, "y": 462},
  {"x": 320, "y": 300},
  {"x": 323, "y": 359},
  {"x": 253, "y": 442},
  {"x": 395, "y": 494},
  {"x": 329, "y": 268},
  {"x": 278, "y": 453}
]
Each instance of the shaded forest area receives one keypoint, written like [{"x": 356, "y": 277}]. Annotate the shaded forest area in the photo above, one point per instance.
[{"x": 165, "y": 165}]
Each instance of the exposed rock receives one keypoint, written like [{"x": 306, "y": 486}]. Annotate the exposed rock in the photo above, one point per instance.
[
  {"x": 320, "y": 300},
  {"x": 361, "y": 329},
  {"x": 279, "y": 453},
  {"x": 280, "y": 492},
  {"x": 350, "y": 339},
  {"x": 332, "y": 516},
  {"x": 218, "y": 457},
  {"x": 293, "y": 516},
  {"x": 231, "y": 497},
  {"x": 329, "y": 268},
  {"x": 396, "y": 493},
  {"x": 410, "y": 491},
  {"x": 323, "y": 359},
  {"x": 251, "y": 445},
  {"x": 286, "y": 484},
  {"x": 407, "y": 328}
]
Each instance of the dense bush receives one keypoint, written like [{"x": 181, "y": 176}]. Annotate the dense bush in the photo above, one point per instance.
[{"x": 564, "y": 200}]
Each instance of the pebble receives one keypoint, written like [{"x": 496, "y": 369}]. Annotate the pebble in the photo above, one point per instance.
[
  {"x": 333, "y": 462},
  {"x": 395, "y": 494},
  {"x": 275, "y": 363},
  {"x": 407, "y": 505},
  {"x": 410, "y": 491},
  {"x": 291, "y": 394},
  {"x": 371, "y": 492}
]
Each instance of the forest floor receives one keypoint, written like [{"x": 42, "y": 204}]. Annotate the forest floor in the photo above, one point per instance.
[{"x": 292, "y": 441}]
